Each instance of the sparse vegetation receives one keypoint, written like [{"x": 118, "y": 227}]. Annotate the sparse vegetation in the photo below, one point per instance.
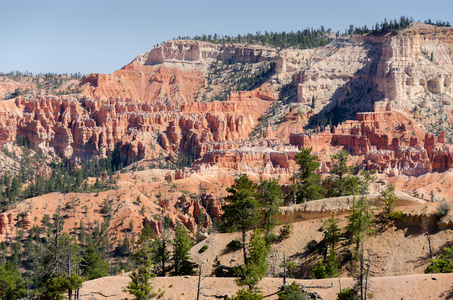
[
  {"x": 443, "y": 264},
  {"x": 443, "y": 209},
  {"x": 347, "y": 294},
  {"x": 292, "y": 292},
  {"x": 388, "y": 204},
  {"x": 308, "y": 38},
  {"x": 203, "y": 248},
  {"x": 234, "y": 245},
  {"x": 285, "y": 231}
]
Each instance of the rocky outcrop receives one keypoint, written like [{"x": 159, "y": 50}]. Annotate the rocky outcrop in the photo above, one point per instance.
[
  {"x": 173, "y": 72},
  {"x": 366, "y": 136},
  {"x": 353, "y": 72},
  {"x": 409, "y": 161},
  {"x": 76, "y": 129},
  {"x": 212, "y": 205},
  {"x": 414, "y": 61},
  {"x": 338, "y": 73},
  {"x": 144, "y": 83},
  {"x": 262, "y": 156},
  {"x": 148, "y": 107},
  {"x": 6, "y": 224},
  {"x": 197, "y": 55},
  {"x": 324, "y": 208}
]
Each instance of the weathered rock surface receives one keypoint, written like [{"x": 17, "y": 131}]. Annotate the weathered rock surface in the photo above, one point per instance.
[
  {"x": 369, "y": 136},
  {"x": 148, "y": 106},
  {"x": 76, "y": 129},
  {"x": 173, "y": 72},
  {"x": 356, "y": 71}
]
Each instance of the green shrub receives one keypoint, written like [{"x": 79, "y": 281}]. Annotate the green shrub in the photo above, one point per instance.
[
  {"x": 443, "y": 264},
  {"x": 234, "y": 245},
  {"x": 311, "y": 246},
  {"x": 347, "y": 294},
  {"x": 247, "y": 295},
  {"x": 443, "y": 209},
  {"x": 285, "y": 231},
  {"x": 271, "y": 238},
  {"x": 394, "y": 215},
  {"x": 319, "y": 271},
  {"x": 203, "y": 249},
  {"x": 292, "y": 292}
]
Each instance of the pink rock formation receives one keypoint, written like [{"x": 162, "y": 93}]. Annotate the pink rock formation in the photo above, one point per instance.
[{"x": 365, "y": 136}]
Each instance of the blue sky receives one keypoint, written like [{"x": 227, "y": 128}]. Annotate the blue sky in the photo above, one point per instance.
[{"x": 99, "y": 36}]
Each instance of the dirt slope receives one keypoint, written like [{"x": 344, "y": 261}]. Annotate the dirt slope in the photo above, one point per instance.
[{"x": 438, "y": 286}]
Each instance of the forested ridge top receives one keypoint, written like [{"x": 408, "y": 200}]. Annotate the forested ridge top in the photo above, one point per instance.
[{"x": 310, "y": 38}]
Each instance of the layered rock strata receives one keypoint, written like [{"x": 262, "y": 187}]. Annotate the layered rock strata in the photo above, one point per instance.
[
  {"x": 370, "y": 136},
  {"x": 81, "y": 128},
  {"x": 353, "y": 72}
]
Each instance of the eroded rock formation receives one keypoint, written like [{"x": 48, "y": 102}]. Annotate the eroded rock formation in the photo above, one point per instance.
[
  {"x": 369, "y": 136},
  {"x": 354, "y": 72}
]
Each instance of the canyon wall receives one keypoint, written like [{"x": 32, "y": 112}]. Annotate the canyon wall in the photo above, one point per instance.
[
  {"x": 369, "y": 136},
  {"x": 354, "y": 72},
  {"x": 78, "y": 128}
]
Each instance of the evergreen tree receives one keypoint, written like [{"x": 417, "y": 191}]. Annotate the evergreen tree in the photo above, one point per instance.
[
  {"x": 12, "y": 285},
  {"x": 180, "y": 257},
  {"x": 359, "y": 221},
  {"x": 247, "y": 295},
  {"x": 358, "y": 228},
  {"x": 331, "y": 236},
  {"x": 443, "y": 264},
  {"x": 331, "y": 231},
  {"x": 254, "y": 269},
  {"x": 123, "y": 247},
  {"x": 292, "y": 292},
  {"x": 242, "y": 211},
  {"x": 307, "y": 180},
  {"x": 269, "y": 194},
  {"x": 62, "y": 266},
  {"x": 332, "y": 264},
  {"x": 140, "y": 286},
  {"x": 319, "y": 271},
  {"x": 159, "y": 247},
  {"x": 388, "y": 202},
  {"x": 342, "y": 185},
  {"x": 92, "y": 265}
]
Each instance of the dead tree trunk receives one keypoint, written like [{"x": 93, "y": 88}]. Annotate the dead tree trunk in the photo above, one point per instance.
[
  {"x": 199, "y": 282},
  {"x": 366, "y": 277},
  {"x": 429, "y": 242},
  {"x": 284, "y": 269}
]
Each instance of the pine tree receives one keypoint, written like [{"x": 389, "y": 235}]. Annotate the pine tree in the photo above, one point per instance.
[
  {"x": 255, "y": 268},
  {"x": 159, "y": 247},
  {"x": 62, "y": 265},
  {"x": 140, "y": 286},
  {"x": 331, "y": 231},
  {"x": 388, "y": 202},
  {"x": 359, "y": 222},
  {"x": 342, "y": 185},
  {"x": 358, "y": 228},
  {"x": 292, "y": 292},
  {"x": 308, "y": 182},
  {"x": 269, "y": 194},
  {"x": 180, "y": 256},
  {"x": 12, "y": 285},
  {"x": 92, "y": 265},
  {"x": 242, "y": 211}
]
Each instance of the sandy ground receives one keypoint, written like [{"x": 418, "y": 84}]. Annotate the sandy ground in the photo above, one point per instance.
[
  {"x": 395, "y": 248},
  {"x": 437, "y": 286}
]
